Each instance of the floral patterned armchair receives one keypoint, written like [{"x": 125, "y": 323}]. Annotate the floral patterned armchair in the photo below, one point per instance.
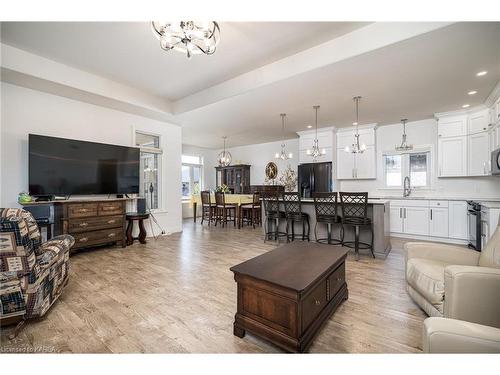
[{"x": 32, "y": 273}]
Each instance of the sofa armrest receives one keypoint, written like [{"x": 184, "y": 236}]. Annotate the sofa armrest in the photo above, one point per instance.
[
  {"x": 445, "y": 253},
  {"x": 471, "y": 294},
  {"x": 443, "y": 335},
  {"x": 54, "y": 249}
]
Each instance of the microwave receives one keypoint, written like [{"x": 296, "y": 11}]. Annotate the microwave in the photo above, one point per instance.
[{"x": 495, "y": 162}]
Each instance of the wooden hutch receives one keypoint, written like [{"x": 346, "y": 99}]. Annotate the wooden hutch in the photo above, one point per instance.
[{"x": 236, "y": 177}]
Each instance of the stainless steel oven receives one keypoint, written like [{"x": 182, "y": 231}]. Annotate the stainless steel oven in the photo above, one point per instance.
[
  {"x": 495, "y": 162},
  {"x": 475, "y": 225}
]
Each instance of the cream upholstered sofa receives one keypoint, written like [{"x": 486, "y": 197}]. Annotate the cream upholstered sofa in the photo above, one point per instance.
[
  {"x": 456, "y": 282},
  {"x": 443, "y": 335}
]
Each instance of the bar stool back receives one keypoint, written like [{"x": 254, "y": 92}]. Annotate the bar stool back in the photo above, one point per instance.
[
  {"x": 224, "y": 210},
  {"x": 294, "y": 214},
  {"x": 251, "y": 212},
  {"x": 326, "y": 209},
  {"x": 273, "y": 216},
  {"x": 355, "y": 214},
  {"x": 207, "y": 207}
]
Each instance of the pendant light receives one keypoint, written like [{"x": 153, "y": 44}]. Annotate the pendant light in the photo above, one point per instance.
[
  {"x": 224, "y": 157},
  {"x": 404, "y": 146},
  {"x": 356, "y": 148},
  {"x": 283, "y": 155},
  {"x": 316, "y": 152}
]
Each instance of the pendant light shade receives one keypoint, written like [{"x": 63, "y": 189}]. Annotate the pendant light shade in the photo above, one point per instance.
[
  {"x": 224, "y": 158},
  {"x": 404, "y": 146},
  {"x": 356, "y": 147},
  {"x": 283, "y": 155},
  {"x": 315, "y": 151}
]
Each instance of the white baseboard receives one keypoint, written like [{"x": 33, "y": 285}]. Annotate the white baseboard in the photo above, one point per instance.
[{"x": 429, "y": 238}]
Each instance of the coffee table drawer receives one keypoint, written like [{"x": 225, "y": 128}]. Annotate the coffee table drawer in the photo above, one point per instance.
[
  {"x": 110, "y": 208},
  {"x": 98, "y": 237},
  {"x": 313, "y": 303},
  {"x": 82, "y": 210},
  {"x": 88, "y": 224},
  {"x": 335, "y": 281}
]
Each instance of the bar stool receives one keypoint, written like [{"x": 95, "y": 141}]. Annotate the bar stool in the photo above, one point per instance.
[
  {"x": 273, "y": 215},
  {"x": 354, "y": 213},
  {"x": 294, "y": 214},
  {"x": 207, "y": 207},
  {"x": 224, "y": 210},
  {"x": 251, "y": 212},
  {"x": 325, "y": 206}
]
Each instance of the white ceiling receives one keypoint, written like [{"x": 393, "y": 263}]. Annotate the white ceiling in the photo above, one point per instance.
[
  {"x": 128, "y": 52},
  {"x": 411, "y": 79}
]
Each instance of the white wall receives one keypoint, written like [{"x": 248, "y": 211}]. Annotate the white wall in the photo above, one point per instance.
[
  {"x": 27, "y": 111},
  {"x": 422, "y": 133}
]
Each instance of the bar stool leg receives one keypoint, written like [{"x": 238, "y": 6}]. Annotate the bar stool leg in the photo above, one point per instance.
[
  {"x": 303, "y": 230},
  {"x": 329, "y": 231},
  {"x": 308, "y": 230},
  {"x": 277, "y": 222},
  {"x": 371, "y": 243},
  {"x": 356, "y": 241}
]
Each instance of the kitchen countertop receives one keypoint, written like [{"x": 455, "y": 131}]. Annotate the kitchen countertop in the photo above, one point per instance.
[
  {"x": 436, "y": 198},
  {"x": 370, "y": 201}
]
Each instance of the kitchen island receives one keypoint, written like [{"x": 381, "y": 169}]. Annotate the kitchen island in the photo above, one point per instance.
[{"x": 378, "y": 212}]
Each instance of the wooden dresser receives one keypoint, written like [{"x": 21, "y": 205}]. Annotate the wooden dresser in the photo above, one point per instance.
[
  {"x": 286, "y": 294},
  {"x": 91, "y": 222}
]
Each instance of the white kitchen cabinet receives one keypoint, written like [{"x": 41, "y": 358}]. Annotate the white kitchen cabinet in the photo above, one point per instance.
[
  {"x": 345, "y": 165},
  {"x": 326, "y": 137},
  {"x": 494, "y": 135},
  {"x": 478, "y": 122},
  {"x": 366, "y": 164},
  {"x": 416, "y": 220},
  {"x": 438, "y": 224},
  {"x": 479, "y": 154},
  {"x": 396, "y": 219},
  {"x": 452, "y": 126},
  {"x": 452, "y": 154},
  {"x": 457, "y": 220},
  {"x": 304, "y": 158}
]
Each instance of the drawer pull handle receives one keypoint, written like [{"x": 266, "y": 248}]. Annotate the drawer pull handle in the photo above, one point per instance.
[
  {"x": 111, "y": 235},
  {"x": 317, "y": 302},
  {"x": 339, "y": 279},
  {"x": 84, "y": 224},
  {"x": 83, "y": 210},
  {"x": 111, "y": 221},
  {"x": 83, "y": 239}
]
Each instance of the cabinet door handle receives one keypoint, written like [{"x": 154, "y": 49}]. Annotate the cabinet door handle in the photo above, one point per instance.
[
  {"x": 84, "y": 224},
  {"x": 405, "y": 212},
  {"x": 111, "y": 235},
  {"x": 431, "y": 213},
  {"x": 317, "y": 302},
  {"x": 400, "y": 213},
  {"x": 83, "y": 239}
]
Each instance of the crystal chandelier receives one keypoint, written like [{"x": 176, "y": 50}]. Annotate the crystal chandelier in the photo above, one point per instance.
[
  {"x": 283, "y": 155},
  {"x": 356, "y": 148},
  {"x": 316, "y": 152},
  {"x": 190, "y": 37},
  {"x": 404, "y": 146},
  {"x": 224, "y": 158}
]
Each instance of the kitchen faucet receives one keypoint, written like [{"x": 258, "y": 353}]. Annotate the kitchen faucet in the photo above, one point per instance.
[{"x": 406, "y": 187}]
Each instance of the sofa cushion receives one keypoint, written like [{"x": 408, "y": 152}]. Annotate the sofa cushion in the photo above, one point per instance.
[
  {"x": 490, "y": 255},
  {"x": 427, "y": 278}
]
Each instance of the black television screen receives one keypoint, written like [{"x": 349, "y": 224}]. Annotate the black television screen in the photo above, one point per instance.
[{"x": 59, "y": 166}]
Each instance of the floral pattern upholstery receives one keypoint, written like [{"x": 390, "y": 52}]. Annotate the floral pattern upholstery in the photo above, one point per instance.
[{"x": 32, "y": 273}]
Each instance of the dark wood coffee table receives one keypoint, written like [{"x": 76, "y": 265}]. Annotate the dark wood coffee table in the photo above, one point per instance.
[{"x": 285, "y": 295}]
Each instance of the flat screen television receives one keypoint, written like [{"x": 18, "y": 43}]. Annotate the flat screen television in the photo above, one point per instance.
[{"x": 59, "y": 166}]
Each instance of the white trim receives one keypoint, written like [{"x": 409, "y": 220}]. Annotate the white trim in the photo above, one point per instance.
[
  {"x": 350, "y": 128},
  {"x": 494, "y": 95},
  {"x": 459, "y": 112},
  {"x": 429, "y": 238}
]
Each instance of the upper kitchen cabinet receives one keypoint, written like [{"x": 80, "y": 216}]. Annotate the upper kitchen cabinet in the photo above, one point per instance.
[
  {"x": 452, "y": 126},
  {"x": 478, "y": 121},
  {"x": 478, "y": 154},
  {"x": 452, "y": 155},
  {"x": 356, "y": 166},
  {"x": 326, "y": 137}
]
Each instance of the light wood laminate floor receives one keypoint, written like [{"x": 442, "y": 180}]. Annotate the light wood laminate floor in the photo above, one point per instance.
[{"x": 177, "y": 295}]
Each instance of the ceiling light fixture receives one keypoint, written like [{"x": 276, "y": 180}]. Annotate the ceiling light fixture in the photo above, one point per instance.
[
  {"x": 309, "y": 126},
  {"x": 466, "y": 106},
  {"x": 224, "y": 158},
  {"x": 473, "y": 92},
  {"x": 482, "y": 73},
  {"x": 404, "y": 146},
  {"x": 316, "y": 152},
  {"x": 190, "y": 37},
  {"x": 283, "y": 155},
  {"x": 356, "y": 148}
]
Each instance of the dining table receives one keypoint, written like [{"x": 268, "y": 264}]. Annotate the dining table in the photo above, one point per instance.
[{"x": 238, "y": 199}]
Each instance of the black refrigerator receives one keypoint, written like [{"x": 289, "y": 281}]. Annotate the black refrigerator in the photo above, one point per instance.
[{"x": 314, "y": 177}]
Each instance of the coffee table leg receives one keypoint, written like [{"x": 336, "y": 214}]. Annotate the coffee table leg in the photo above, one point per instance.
[
  {"x": 142, "y": 232},
  {"x": 238, "y": 331},
  {"x": 130, "y": 239}
]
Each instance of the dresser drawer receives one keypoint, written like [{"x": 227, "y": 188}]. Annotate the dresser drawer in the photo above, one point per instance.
[
  {"x": 93, "y": 223},
  {"x": 313, "y": 303},
  {"x": 335, "y": 281},
  {"x": 98, "y": 237},
  {"x": 82, "y": 210},
  {"x": 111, "y": 208}
]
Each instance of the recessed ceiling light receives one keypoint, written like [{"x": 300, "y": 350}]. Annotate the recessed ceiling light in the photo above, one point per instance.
[
  {"x": 355, "y": 123},
  {"x": 466, "y": 106},
  {"x": 309, "y": 126},
  {"x": 482, "y": 73},
  {"x": 473, "y": 92}
]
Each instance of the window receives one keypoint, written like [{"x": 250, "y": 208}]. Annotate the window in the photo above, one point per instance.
[
  {"x": 192, "y": 168},
  {"x": 150, "y": 168},
  {"x": 415, "y": 165}
]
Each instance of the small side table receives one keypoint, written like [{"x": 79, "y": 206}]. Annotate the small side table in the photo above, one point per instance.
[{"x": 135, "y": 216}]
